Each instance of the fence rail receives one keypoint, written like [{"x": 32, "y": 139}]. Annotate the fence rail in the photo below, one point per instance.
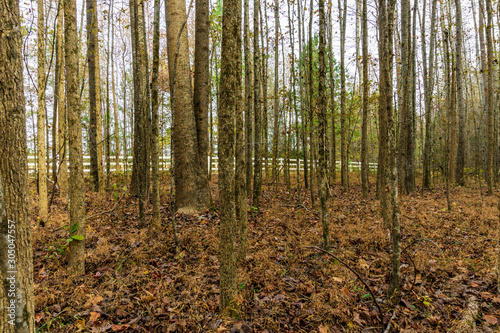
[{"x": 165, "y": 164}]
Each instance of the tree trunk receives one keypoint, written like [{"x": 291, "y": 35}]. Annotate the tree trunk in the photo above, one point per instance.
[
  {"x": 265, "y": 66},
  {"x": 115, "y": 108},
  {"x": 248, "y": 99},
  {"x": 59, "y": 104},
  {"x": 42, "y": 167},
  {"x": 489, "y": 97},
  {"x": 257, "y": 176},
  {"x": 14, "y": 187},
  {"x": 76, "y": 258},
  {"x": 322, "y": 124},
  {"x": 428, "y": 89},
  {"x": 366, "y": 86},
  {"x": 460, "y": 101},
  {"x": 301, "y": 82},
  {"x": 186, "y": 167},
  {"x": 310, "y": 106},
  {"x": 95, "y": 131},
  {"x": 155, "y": 101},
  {"x": 333, "y": 148},
  {"x": 343, "y": 117},
  {"x": 276, "y": 133},
  {"x": 201, "y": 94},
  {"x": 229, "y": 107}
]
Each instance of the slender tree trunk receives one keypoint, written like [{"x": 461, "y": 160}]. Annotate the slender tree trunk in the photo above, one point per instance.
[
  {"x": 141, "y": 107},
  {"x": 60, "y": 104},
  {"x": 428, "y": 88},
  {"x": 257, "y": 177},
  {"x": 343, "y": 116},
  {"x": 311, "y": 111},
  {"x": 115, "y": 107},
  {"x": 333, "y": 148},
  {"x": 230, "y": 100},
  {"x": 489, "y": 97},
  {"x": 460, "y": 100},
  {"x": 240, "y": 186},
  {"x": 201, "y": 93},
  {"x": 322, "y": 124},
  {"x": 248, "y": 99},
  {"x": 155, "y": 101},
  {"x": 390, "y": 200},
  {"x": 76, "y": 258},
  {"x": 186, "y": 167},
  {"x": 107, "y": 138},
  {"x": 276, "y": 133},
  {"x": 265, "y": 66},
  {"x": 14, "y": 187},
  {"x": 301, "y": 82},
  {"x": 293, "y": 79},
  {"x": 366, "y": 86},
  {"x": 95, "y": 131},
  {"x": 42, "y": 167}
]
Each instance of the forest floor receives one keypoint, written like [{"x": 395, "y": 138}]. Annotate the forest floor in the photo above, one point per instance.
[{"x": 136, "y": 282}]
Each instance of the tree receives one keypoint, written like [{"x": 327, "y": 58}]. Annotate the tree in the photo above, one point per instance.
[
  {"x": 14, "y": 187},
  {"x": 187, "y": 171},
  {"x": 366, "y": 86},
  {"x": 322, "y": 125},
  {"x": 428, "y": 88},
  {"x": 140, "y": 172},
  {"x": 489, "y": 97},
  {"x": 344, "y": 172},
  {"x": 460, "y": 98},
  {"x": 406, "y": 125},
  {"x": 389, "y": 195},
  {"x": 76, "y": 258},
  {"x": 310, "y": 105},
  {"x": 248, "y": 98},
  {"x": 229, "y": 107},
  {"x": 59, "y": 106},
  {"x": 257, "y": 170},
  {"x": 95, "y": 131},
  {"x": 276, "y": 132},
  {"x": 155, "y": 101},
  {"x": 42, "y": 168},
  {"x": 201, "y": 93}
]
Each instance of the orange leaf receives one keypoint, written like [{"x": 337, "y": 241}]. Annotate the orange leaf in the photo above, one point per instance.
[
  {"x": 491, "y": 319},
  {"x": 94, "y": 316}
]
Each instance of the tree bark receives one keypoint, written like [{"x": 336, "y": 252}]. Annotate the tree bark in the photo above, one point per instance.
[
  {"x": 489, "y": 97},
  {"x": 229, "y": 107},
  {"x": 257, "y": 173},
  {"x": 248, "y": 99},
  {"x": 366, "y": 86},
  {"x": 42, "y": 160},
  {"x": 59, "y": 105},
  {"x": 155, "y": 101},
  {"x": 276, "y": 132},
  {"x": 186, "y": 167},
  {"x": 76, "y": 258},
  {"x": 428, "y": 88},
  {"x": 322, "y": 125},
  {"x": 14, "y": 187},
  {"x": 201, "y": 93},
  {"x": 95, "y": 131},
  {"x": 460, "y": 98},
  {"x": 343, "y": 117}
]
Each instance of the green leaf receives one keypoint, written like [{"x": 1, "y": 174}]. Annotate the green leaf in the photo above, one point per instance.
[
  {"x": 69, "y": 240},
  {"x": 78, "y": 237},
  {"x": 74, "y": 227}
]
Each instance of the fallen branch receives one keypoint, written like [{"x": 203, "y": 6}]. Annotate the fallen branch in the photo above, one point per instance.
[
  {"x": 388, "y": 328},
  {"x": 381, "y": 318}
]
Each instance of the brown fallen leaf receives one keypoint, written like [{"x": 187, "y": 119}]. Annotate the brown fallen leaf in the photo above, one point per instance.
[
  {"x": 93, "y": 317},
  {"x": 323, "y": 329},
  {"x": 117, "y": 328},
  {"x": 490, "y": 319}
]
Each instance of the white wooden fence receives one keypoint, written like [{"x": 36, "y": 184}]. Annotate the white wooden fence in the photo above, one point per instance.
[{"x": 165, "y": 164}]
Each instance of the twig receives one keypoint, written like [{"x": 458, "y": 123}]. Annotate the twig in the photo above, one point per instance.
[
  {"x": 302, "y": 206},
  {"x": 388, "y": 328},
  {"x": 381, "y": 318}
]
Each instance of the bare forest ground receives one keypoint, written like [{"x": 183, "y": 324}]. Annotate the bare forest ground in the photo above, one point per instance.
[{"x": 136, "y": 282}]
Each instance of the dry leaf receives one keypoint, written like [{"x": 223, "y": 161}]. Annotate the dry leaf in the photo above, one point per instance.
[{"x": 491, "y": 319}]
